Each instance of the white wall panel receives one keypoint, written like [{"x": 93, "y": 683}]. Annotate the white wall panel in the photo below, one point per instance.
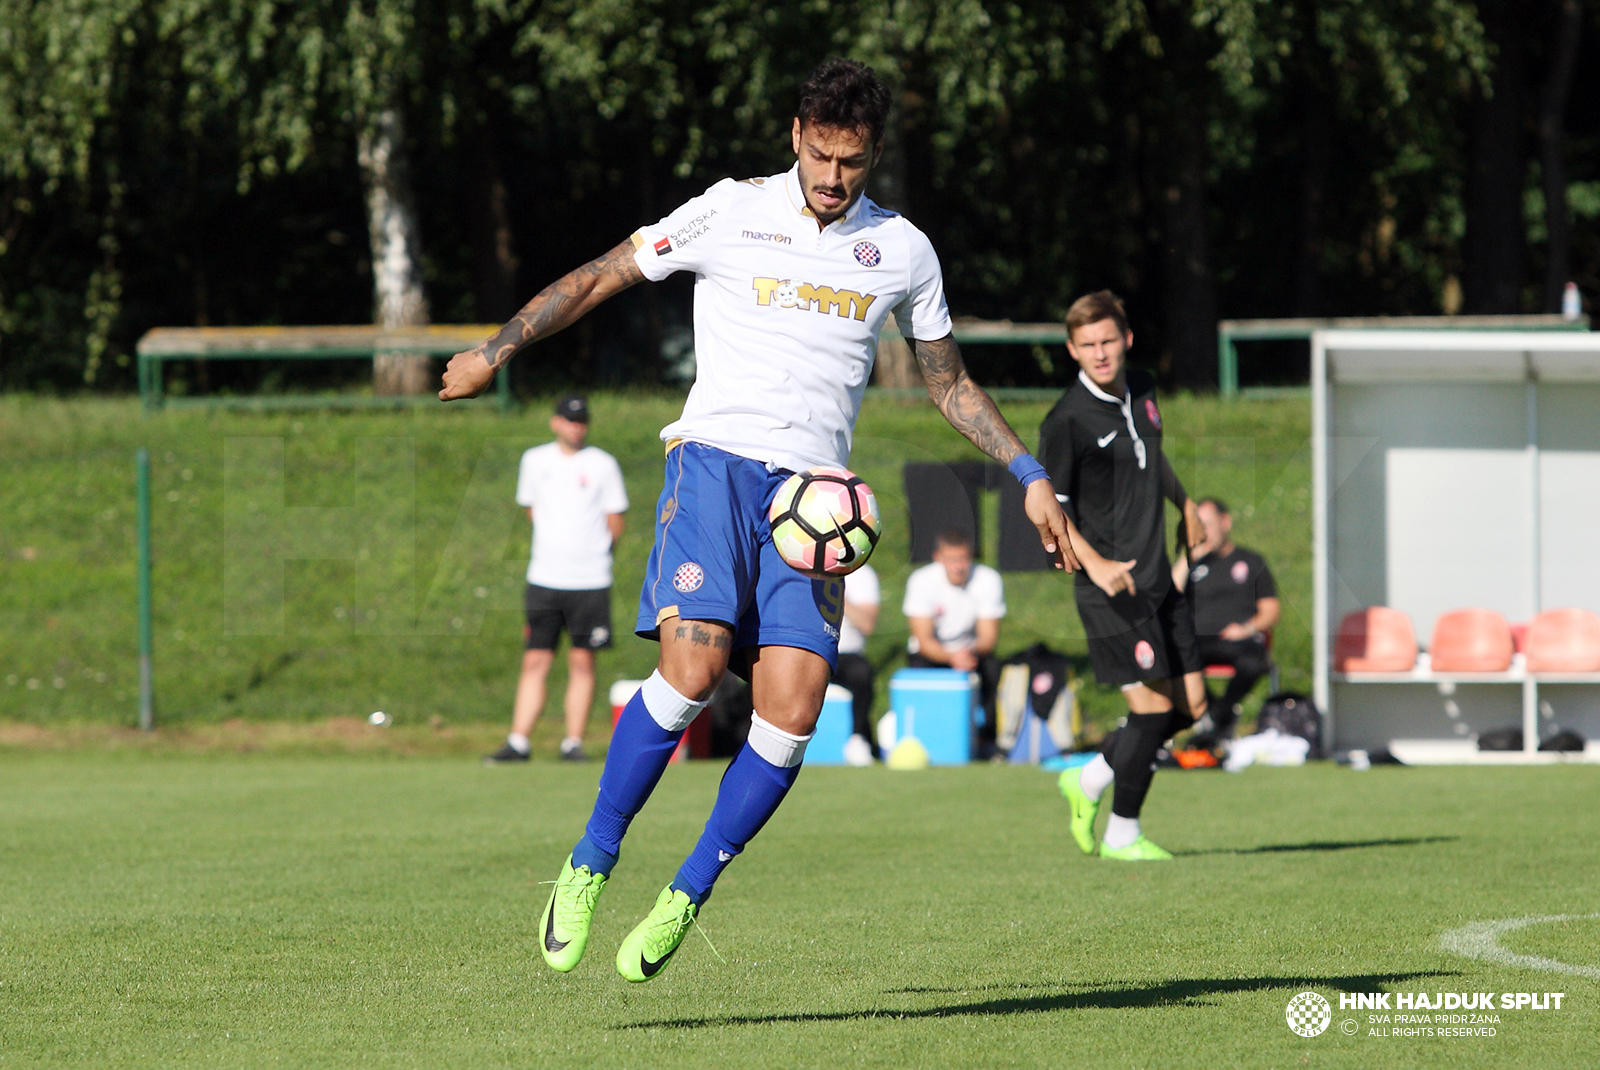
[{"x": 1457, "y": 533}]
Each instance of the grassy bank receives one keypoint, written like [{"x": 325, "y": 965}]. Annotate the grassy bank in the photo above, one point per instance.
[{"x": 405, "y": 596}]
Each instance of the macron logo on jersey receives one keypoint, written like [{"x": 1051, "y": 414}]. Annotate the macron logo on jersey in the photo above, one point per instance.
[
  {"x": 756, "y": 235},
  {"x": 790, "y": 293}
]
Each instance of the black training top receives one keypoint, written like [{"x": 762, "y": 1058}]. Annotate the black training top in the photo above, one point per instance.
[
  {"x": 1104, "y": 456},
  {"x": 1224, "y": 589}
]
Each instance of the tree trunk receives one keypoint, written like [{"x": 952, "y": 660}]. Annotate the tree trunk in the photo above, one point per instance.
[
  {"x": 397, "y": 296},
  {"x": 1552, "y": 134},
  {"x": 1316, "y": 157},
  {"x": 1493, "y": 248},
  {"x": 1190, "y": 283},
  {"x": 494, "y": 258},
  {"x": 895, "y": 366}
]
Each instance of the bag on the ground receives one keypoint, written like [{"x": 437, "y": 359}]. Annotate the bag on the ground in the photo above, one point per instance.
[
  {"x": 1036, "y": 709},
  {"x": 1293, "y": 714},
  {"x": 1564, "y": 739},
  {"x": 1501, "y": 739}
]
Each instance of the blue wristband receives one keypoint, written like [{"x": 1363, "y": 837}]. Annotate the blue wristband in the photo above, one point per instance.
[{"x": 1027, "y": 470}]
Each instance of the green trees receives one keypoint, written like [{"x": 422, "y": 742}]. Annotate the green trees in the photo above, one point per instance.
[{"x": 192, "y": 161}]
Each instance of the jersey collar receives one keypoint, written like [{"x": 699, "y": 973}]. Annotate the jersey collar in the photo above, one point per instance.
[
  {"x": 1124, "y": 403},
  {"x": 1088, "y": 383},
  {"x": 797, "y": 200}
]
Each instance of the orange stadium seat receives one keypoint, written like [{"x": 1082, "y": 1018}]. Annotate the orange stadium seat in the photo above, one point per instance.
[
  {"x": 1563, "y": 640},
  {"x": 1471, "y": 640},
  {"x": 1375, "y": 639}
]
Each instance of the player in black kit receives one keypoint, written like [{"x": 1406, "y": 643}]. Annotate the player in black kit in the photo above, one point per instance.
[{"x": 1101, "y": 445}]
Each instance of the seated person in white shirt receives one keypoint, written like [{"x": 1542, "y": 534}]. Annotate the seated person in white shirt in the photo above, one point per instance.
[
  {"x": 862, "y": 595},
  {"x": 954, "y": 609}
]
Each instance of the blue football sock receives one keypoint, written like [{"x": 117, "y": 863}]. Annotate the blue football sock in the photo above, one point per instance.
[
  {"x": 638, "y": 755},
  {"x": 750, "y": 793}
]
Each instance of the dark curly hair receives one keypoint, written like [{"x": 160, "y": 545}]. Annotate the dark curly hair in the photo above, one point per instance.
[{"x": 845, "y": 95}]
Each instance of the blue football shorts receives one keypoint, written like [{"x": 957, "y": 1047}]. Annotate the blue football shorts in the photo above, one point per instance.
[{"x": 713, "y": 558}]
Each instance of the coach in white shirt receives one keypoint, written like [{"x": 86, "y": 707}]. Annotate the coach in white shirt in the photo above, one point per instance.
[
  {"x": 576, "y": 499},
  {"x": 954, "y": 608}
]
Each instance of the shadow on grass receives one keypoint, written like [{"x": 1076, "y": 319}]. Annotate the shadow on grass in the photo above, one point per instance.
[
  {"x": 1067, "y": 997},
  {"x": 1322, "y": 845}
]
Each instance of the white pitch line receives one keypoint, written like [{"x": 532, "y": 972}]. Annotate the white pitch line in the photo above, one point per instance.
[{"x": 1481, "y": 940}]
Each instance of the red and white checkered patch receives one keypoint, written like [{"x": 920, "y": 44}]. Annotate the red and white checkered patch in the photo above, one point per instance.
[
  {"x": 867, "y": 254},
  {"x": 1144, "y": 654},
  {"x": 689, "y": 577}
]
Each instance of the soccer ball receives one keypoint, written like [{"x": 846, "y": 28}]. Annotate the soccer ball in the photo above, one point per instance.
[{"x": 825, "y": 522}]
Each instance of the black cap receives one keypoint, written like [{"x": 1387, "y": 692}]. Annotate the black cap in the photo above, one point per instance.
[{"x": 574, "y": 407}]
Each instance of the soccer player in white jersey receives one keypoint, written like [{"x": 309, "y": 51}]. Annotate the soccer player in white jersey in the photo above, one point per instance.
[{"x": 794, "y": 276}]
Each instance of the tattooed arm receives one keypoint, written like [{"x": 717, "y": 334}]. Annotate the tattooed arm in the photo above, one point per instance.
[
  {"x": 971, "y": 411},
  {"x": 557, "y": 306},
  {"x": 964, "y": 403}
]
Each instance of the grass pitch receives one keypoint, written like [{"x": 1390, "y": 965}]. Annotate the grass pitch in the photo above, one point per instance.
[{"x": 340, "y": 911}]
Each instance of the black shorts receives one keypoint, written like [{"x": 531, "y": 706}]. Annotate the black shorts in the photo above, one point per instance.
[
  {"x": 586, "y": 615},
  {"x": 1132, "y": 640}
]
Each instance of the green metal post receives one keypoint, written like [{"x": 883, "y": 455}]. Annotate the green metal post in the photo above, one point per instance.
[
  {"x": 1227, "y": 365},
  {"x": 502, "y": 386},
  {"x": 147, "y": 704}
]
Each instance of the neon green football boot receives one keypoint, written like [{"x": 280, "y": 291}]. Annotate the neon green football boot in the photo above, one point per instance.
[
  {"x": 1084, "y": 809},
  {"x": 1140, "y": 850},
  {"x": 651, "y": 945},
  {"x": 564, "y": 929}
]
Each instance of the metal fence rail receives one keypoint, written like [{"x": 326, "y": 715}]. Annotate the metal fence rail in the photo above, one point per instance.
[{"x": 165, "y": 344}]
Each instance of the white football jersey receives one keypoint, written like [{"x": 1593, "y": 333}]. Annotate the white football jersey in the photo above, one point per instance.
[{"x": 786, "y": 317}]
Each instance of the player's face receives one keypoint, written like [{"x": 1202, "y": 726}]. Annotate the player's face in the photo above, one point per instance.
[
  {"x": 1216, "y": 525},
  {"x": 957, "y": 562},
  {"x": 570, "y": 433},
  {"x": 1100, "y": 349},
  {"x": 834, "y": 167}
]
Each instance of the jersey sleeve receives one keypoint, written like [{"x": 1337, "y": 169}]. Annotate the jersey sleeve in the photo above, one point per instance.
[
  {"x": 1055, "y": 453},
  {"x": 861, "y": 587},
  {"x": 918, "y": 601},
  {"x": 614, "y": 495},
  {"x": 1266, "y": 586},
  {"x": 988, "y": 594},
  {"x": 922, "y": 313},
  {"x": 683, "y": 240},
  {"x": 528, "y": 479}
]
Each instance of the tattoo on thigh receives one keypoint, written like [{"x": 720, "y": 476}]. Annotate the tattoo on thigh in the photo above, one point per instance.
[
  {"x": 681, "y": 632},
  {"x": 723, "y": 641},
  {"x": 699, "y": 636}
]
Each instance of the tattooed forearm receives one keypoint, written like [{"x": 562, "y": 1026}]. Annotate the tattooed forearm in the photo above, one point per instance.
[
  {"x": 563, "y": 302},
  {"x": 963, "y": 402}
]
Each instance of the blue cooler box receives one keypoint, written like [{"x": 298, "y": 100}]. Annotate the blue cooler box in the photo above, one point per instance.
[
  {"x": 936, "y": 706},
  {"x": 833, "y": 729}
]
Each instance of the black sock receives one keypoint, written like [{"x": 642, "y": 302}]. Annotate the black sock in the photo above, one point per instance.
[{"x": 1134, "y": 760}]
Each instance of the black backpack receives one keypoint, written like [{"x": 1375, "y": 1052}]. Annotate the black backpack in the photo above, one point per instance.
[{"x": 1293, "y": 714}]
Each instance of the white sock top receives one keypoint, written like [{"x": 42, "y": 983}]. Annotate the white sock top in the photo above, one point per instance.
[
  {"x": 519, "y": 742},
  {"x": 667, "y": 708},
  {"x": 782, "y": 749}
]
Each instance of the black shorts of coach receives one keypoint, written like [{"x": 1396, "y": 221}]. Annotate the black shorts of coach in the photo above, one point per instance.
[
  {"x": 1134, "y": 639},
  {"x": 585, "y": 615}
]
